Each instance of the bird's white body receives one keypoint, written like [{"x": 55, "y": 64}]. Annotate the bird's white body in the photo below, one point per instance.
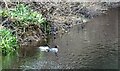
[
  {"x": 44, "y": 48},
  {"x": 55, "y": 50},
  {"x": 47, "y": 49}
]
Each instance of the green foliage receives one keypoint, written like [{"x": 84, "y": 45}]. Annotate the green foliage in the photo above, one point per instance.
[
  {"x": 8, "y": 41},
  {"x": 24, "y": 15},
  {"x": 3, "y": 13}
]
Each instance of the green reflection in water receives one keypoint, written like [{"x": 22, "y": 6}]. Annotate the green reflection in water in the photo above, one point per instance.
[
  {"x": 0, "y": 62},
  {"x": 8, "y": 61},
  {"x": 12, "y": 61},
  {"x": 0, "y": 58}
]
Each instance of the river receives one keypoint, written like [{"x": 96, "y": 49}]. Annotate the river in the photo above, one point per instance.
[{"x": 94, "y": 47}]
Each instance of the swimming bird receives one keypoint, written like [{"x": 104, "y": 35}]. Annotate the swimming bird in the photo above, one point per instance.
[{"x": 48, "y": 49}]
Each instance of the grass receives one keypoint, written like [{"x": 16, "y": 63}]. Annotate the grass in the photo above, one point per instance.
[
  {"x": 8, "y": 42},
  {"x": 23, "y": 15}
]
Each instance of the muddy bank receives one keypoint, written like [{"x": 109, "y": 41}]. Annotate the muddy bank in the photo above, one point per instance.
[
  {"x": 63, "y": 15},
  {"x": 95, "y": 47}
]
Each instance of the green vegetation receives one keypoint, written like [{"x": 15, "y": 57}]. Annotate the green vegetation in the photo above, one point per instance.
[
  {"x": 21, "y": 16},
  {"x": 24, "y": 15},
  {"x": 8, "y": 41}
]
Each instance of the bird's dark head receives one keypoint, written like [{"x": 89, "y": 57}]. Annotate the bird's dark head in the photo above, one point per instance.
[{"x": 56, "y": 46}]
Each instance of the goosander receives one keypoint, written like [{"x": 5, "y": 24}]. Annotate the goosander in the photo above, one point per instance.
[{"x": 48, "y": 49}]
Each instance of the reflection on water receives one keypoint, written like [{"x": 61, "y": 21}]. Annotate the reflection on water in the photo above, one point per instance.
[
  {"x": 0, "y": 62},
  {"x": 95, "y": 47}
]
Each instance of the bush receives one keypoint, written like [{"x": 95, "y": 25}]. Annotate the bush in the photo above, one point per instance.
[{"x": 8, "y": 41}]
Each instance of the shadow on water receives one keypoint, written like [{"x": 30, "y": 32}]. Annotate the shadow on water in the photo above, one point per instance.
[{"x": 95, "y": 47}]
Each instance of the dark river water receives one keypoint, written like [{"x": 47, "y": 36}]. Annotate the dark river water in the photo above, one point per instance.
[{"x": 93, "y": 47}]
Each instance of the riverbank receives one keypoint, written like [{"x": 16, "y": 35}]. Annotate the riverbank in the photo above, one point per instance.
[{"x": 62, "y": 16}]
